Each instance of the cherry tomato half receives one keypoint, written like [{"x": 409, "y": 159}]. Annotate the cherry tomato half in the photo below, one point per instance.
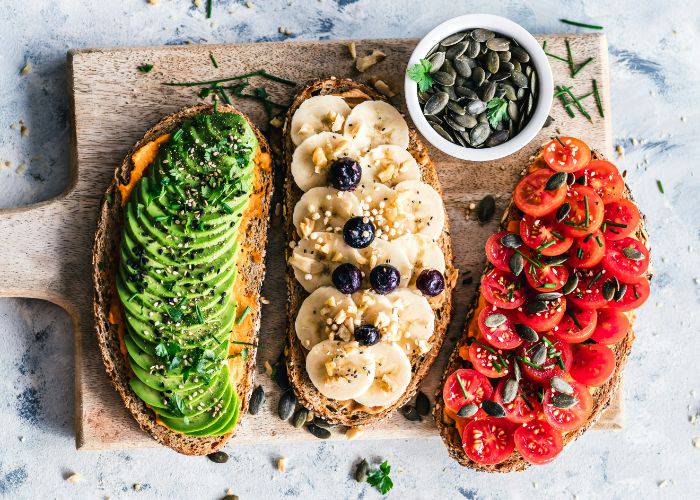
[
  {"x": 502, "y": 289},
  {"x": 542, "y": 321},
  {"x": 551, "y": 366},
  {"x": 587, "y": 251},
  {"x": 546, "y": 278},
  {"x": 582, "y": 200},
  {"x": 568, "y": 419},
  {"x": 541, "y": 234},
  {"x": 621, "y": 219},
  {"x": 593, "y": 364},
  {"x": 525, "y": 406},
  {"x": 635, "y": 295},
  {"x": 502, "y": 336},
  {"x": 476, "y": 388},
  {"x": 531, "y": 197},
  {"x": 604, "y": 178},
  {"x": 611, "y": 327},
  {"x": 620, "y": 261},
  {"x": 588, "y": 293},
  {"x": 576, "y": 326},
  {"x": 488, "y": 360},
  {"x": 573, "y": 155},
  {"x": 488, "y": 441},
  {"x": 497, "y": 253},
  {"x": 538, "y": 442}
]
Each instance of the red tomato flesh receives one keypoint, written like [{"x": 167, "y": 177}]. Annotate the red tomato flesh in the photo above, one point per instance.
[
  {"x": 502, "y": 289},
  {"x": 621, "y": 219},
  {"x": 476, "y": 388},
  {"x": 546, "y": 278},
  {"x": 604, "y": 178},
  {"x": 593, "y": 364},
  {"x": 588, "y": 293},
  {"x": 576, "y": 326},
  {"x": 573, "y": 155},
  {"x": 568, "y": 419},
  {"x": 582, "y": 200},
  {"x": 531, "y": 197},
  {"x": 635, "y": 295},
  {"x": 488, "y": 441},
  {"x": 538, "y": 442},
  {"x": 543, "y": 321},
  {"x": 617, "y": 263},
  {"x": 587, "y": 251},
  {"x": 541, "y": 234},
  {"x": 551, "y": 367},
  {"x": 611, "y": 326},
  {"x": 497, "y": 253},
  {"x": 502, "y": 336},
  {"x": 486, "y": 359}
]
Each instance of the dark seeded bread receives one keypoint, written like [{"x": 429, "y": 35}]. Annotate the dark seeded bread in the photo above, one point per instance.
[
  {"x": 349, "y": 412},
  {"x": 251, "y": 269},
  {"x": 601, "y": 395}
]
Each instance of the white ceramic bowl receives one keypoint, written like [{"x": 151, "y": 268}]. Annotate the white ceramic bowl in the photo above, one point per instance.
[{"x": 537, "y": 56}]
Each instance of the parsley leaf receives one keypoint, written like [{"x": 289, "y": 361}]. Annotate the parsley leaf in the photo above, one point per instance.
[
  {"x": 380, "y": 478},
  {"x": 176, "y": 404},
  {"x": 420, "y": 73},
  {"x": 497, "y": 109},
  {"x": 145, "y": 68}
]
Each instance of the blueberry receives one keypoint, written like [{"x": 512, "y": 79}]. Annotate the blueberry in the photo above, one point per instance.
[
  {"x": 347, "y": 278},
  {"x": 430, "y": 282},
  {"x": 367, "y": 334},
  {"x": 345, "y": 174},
  {"x": 358, "y": 233},
  {"x": 384, "y": 278}
]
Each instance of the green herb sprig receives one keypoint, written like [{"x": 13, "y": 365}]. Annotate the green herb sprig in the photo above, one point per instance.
[
  {"x": 420, "y": 73},
  {"x": 497, "y": 110},
  {"x": 145, "y": 68},
  {"x": 581, "y": 25},
  {"x": 380, "y": 479}
]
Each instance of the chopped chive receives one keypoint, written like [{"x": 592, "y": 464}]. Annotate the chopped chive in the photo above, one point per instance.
[
  {"x": 585, "y": 205},
  {"x": 240, "y": 318},
  {"x": 546, "y": 244},
  {"x": 557, "y": 235},
  {"x": 565, "y": 103},
  {"x": 570, "y": 57},
  {"x": 660, "y": 186},
  {"x": 598, "y": 101},
  {"x": 594, "y": 279},
  {"x": 572, "y": 223},
  {"x": 616, "y": 224},
  {"x": 577, "y": 102},
  {"x": 544, "y": 45},
  {"x": 579, "y": 253},
  {"x": 587, "y": 238},
  {"x": 634, "y": 291},
  {"x": 554, "y": 56},
  {"x": 209, "y": 2},
  {"x": 574, "y": 319},
  {"x": 560, "y": 362},
  {"x": 560, "y": 143},
  {"x": 488, "y": 348},
  {"x": 200, "y": 316},
  {"x": 528, "y": 363},
  {"x": 461, "y": 386},
  {"x": 599, "y": 241},
  {"x": 549, "y": 285},
  {"x": 533, "y": 262},
  {"x": 581, "y": 25},
  {"x": 529, "y": 405},
  {"x": 582, "y": 65},
  {"x": 213, "y": 60},
  {"x": 258, "y": 72}
]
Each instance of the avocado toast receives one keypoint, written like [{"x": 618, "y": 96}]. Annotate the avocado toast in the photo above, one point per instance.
[{"x": 178, "y": 265}]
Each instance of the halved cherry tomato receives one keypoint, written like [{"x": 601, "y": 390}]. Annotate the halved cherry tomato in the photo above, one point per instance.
[
  {"x": 611, "y": 327},
  {"x": 502, "y": 289},
  {"x": 488, "y": 441},
  {"x": 538, "y": 442},
  {"x": 488, "y": 360},
  {"x": 593, "y": 364},
  {"x": 635, "y": 295},
  {"x": 551, "y": 367},
  {"x": 572, "y": 156},
  {"x": 541, "y": 234},
  {"x": 568, "y": 419},
  {"x": 587, "y": 251},
  {"x": 502, "y": 336},
  {"x": 582, "y": 200},
  {"x": 621, "y": 219},
  {"x": 576, "y": 326},
  {"x": 619, "y": 264},
  {"x": 497, "y": 253},
  {"x": 525, "y": 406},
  {"x": 588, "y": 293},
  {"x": 546, "y": 278},
  {"x": 531, "y": 197},
  {"x": 543, "y": 321},
  {"x": 476, "y": 388},
  {"x": 604, "y": 178}
]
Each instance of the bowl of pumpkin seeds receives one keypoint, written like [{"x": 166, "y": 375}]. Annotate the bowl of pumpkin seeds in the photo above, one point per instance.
[{"x": 479, "y": 87}]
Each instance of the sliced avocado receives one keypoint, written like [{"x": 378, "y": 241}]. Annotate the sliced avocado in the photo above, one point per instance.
[{"x": 202, "y": 420}]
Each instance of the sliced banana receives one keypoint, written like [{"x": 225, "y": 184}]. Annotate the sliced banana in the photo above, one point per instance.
[
  {"x": 322, "y": 113},
  {"x": 387, "y": 252},
  {"x": 340, "y": 370},
  {"x": 373, "y": 123},
  {"x": 422, "y": 252},
  {"x": 314, "y": 259},
  {"x": 391, "y": 376},
  {"x": 312, "y": 158},
  {"x": 324, "y": 209},
  {"x": 419, "y": 208},
  {"x": 416, "y": 323},
  {"x": 378, "y": 311},
  {"x": 389, "y": 165},
  {"x": 325, "y": 314}
]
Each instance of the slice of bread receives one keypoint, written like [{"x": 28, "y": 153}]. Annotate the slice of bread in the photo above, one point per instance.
[
  {"x": 601, "y": 395},
  {"x": 349, "y": 412},
  {"x": 251, "y": 270}
]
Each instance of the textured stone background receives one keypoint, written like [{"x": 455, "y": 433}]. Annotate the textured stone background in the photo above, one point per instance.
[{"x": 656, "y": 104}]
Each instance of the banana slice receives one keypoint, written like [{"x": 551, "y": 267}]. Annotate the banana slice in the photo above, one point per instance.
[
  {"x": 419, "y": 209},
  {"x": 378, "y": 311},
  {"x": 312, "y": 158},
  {"x": 377, "y": 204},
  {"x": 322, "y": 113},
  {"x": 340, "y": 370},
  {"x": 325, "y": 314},
  {"x": 422, "y": 252},
  {"x": 324, "y": 209},
  {"x": 387, "y": 252},
  {"x": 315, "y": 258},
  {"x": 391, "y": 376},
  {"x": 389, "y": 165},
  {"x": 373, "y": 123},
  {"x": 416, "y": 323}
]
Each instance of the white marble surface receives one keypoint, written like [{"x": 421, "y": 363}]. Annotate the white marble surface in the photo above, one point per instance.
[{"x": 656, "y": 103}]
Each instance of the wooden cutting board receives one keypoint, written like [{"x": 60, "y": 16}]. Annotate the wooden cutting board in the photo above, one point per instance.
[{"x": 46, "y": 247}]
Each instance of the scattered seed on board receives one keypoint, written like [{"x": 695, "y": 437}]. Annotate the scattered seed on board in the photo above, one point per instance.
[
  {"x": 422, "y": 404},
  {"x": 361, "y": 471},
  {"x": 493, "y": 409},
  {"x": 561, "y": 385},
  {"x": 256, "y": 400},
  {"x": 219, "y": 457},
  {"x": 317, "y": 431},
  {"x": 468, "y": 410},
  {"x": 409, "y": 412},
  {"x": 286, "y": 405},
  {"x": 299, "y": 417},
  {"x": 486, "y": 208},
  {"x": 322, "y": 423}
]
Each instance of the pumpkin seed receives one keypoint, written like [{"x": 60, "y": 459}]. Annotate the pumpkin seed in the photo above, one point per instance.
[
  {"x": 547, "y": 123},
  {"x": 506, "y": 67},
  {"x": 517, "y": 371},
  {"x": 454, "y": 125},
  {"x": 218, "y": 457},
  {"x": 441, "y": 131},
  {"x": 493, "y": 409},
  {"x": 563, "y": 211},
  {"x": 519, "y": 54},
  {"x": 563, "y": 400},
  {"x": 632, "y": 253},
  {"x": 487, "y": 205},
  {"x": 509, "y": 92},
  {"x": 453, "y": 39},
  {"x": 444, "y": 78},
  {"x": 516, "y": 263},
  {"x": 457, "y": 49},
  {"x": 409, "y": 412},
  {"x": 456, "y": 108},
  {"x": 498, "y": 44},
  {"x": 526, "y": 333},
  {"x": 511, "y": 240},
  {"x": 510, "y": 391},
  {"x": 459, "y": 137},
  {"x": 495, "y": 320},
  {"x": 436, "y": 103},
  {"x": 362, "y": 471},
  {"x": 498, "y": 138},
  {"x": 608, "y": 289},
  {"x": 436, "y": 61},
  {"x": 468, "y": 410},
  {"x": 286, "y": 405},
  {"x": 479, "y": 134},
  {"x": 462, "y": 67},
  {"x": 570, "y": 284},
  {"x": 620, "y": 292},
  {"x": 492, "y": 61},
  {"x": 519, "y": 79},
  {"x": 434, "y": 119},
  {"x": 570, "y": 179},
  {"x": 557, "y": 180},
  {"x": 422, "y": 404},
  {"x": 423, "y": 96},
  {"x": 488, "y": 91},
  {"x": 481, "y": 34},
  {"x": 473, "y": 49},
  {"x": 467, "y": 93},
  {"x": 505, "y": 56},
  {"x": 536, "y": 306},
  {"x": 450, "y": 91},
  {"x": 476, "y": 107},
  {"x": 540, "y": 355},
  {"x": 467, "y": 121},
  {"x": 317, "y": 431},
  {"x": 533, "y": 82},
  {"x": 516, "y": 66},
  {"x": 478, "y": 76},
  {"x": 561, "y": 385},
  {"x": 322, "y": 423},
  {"x": 548, "y": 296},
  {"x": 299, "y": 417},
  {"x": 555, "y": 260},
  {"x": 256, "y": 400}
]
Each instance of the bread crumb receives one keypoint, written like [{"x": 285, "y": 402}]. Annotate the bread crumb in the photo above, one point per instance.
[
  {"x": 268, "y": 368},
  {"x": 249, "y": 4},
  {"x": 620, "y": 151},
  {"x": 137, "y": 486},
  {"x": 23, "y": 130},
  {"x": 197, "y": 3},
  {"x": 229, "y": 491},
  {"x": 696, "y": 442},
  {"x": 153, "y": 2},
  {"x": 21, "y": 168},
  {"x": 352, "y": 49},
  {"x": 364, "y": 63},
  {"x": 310, "y": 416},
  {"x": 382, "y": 87},
  {"x": 276, "y": 122},
  {"x": 26, "y": 69},
  {"x": 282, "y": 464},
  {"x": 74, "y": 478},
  {"x": 663, "y": 483},
  {"x": 354, "y": 432},
  {"x": 263, "y": 300}
]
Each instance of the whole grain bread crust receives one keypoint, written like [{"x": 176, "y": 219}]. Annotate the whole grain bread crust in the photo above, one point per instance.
[
  {"x": 601, "y": 395},
  {"x": 349, "y": 412},
  {"x": 251, "y": 270}
]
